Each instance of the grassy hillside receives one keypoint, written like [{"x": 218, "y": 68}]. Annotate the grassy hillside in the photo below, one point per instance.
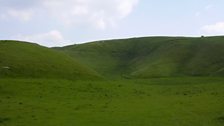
[
  {"x": 41, "y": 86},
  {"x": 153, "y": 102},
  {"x": 152, "y": 56},
  {"x": 26, "y": 60}
]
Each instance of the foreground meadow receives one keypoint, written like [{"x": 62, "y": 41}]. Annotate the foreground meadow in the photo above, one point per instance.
[{"x": 155, "y": 102}]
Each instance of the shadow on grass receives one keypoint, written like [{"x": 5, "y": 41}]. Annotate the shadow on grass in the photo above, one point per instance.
[{"x": 3, "y": 120}]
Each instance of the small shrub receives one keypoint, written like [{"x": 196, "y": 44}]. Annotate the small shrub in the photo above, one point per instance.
[
  {"x": 221, "y": 119},
  {"x": 2, "y": 120}
]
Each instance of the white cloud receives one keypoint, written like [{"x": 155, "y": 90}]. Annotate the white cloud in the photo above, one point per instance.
[
  {"x": 217, "y": 28},
  {"x": 72, "y": 14},
  {"x": 96, "y": 13},
  {"x": 23, "y": 15},
  {"x": 49, "y": 39},
  {"x": 125, "y": 7}
]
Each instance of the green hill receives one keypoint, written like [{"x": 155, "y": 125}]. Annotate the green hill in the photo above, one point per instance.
[
  {"x": 152, "y": 56},
  {"x": 25, "y": 60},
  {"x": 35, "y": 88}
]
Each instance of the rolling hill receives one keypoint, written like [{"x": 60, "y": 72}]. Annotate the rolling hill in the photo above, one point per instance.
[
  {"x": 47, "y": 87},
  {"x": 152, "y": 56},
  {"x": 26, "y": 60}
]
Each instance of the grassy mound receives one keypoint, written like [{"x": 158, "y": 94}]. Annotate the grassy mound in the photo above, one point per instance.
[
  {"x": 23, "y": 60},
  {"x": 152, "y": 56}
]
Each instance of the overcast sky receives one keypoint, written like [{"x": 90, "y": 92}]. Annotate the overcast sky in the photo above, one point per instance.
[{"x": 62, "y": 22}]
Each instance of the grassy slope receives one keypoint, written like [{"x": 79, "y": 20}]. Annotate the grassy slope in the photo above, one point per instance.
[
  {"x": 153, "y": 102},
  {"x": 153, "y": 56},
  {"x": 30, "y": 60}
]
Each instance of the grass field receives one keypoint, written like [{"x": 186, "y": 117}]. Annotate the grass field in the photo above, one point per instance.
[{"x": 151, "y": 102}]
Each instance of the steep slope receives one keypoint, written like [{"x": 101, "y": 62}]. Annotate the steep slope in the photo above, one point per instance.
[
  {"x": 153, "y": 56},
  {"x": 25, "y": 60}
]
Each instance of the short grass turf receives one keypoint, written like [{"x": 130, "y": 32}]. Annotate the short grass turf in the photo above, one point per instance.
[{"x": 151, "y": 102}]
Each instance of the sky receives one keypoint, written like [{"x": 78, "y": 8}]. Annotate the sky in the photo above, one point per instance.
[{"x": 64, "y": 22}]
